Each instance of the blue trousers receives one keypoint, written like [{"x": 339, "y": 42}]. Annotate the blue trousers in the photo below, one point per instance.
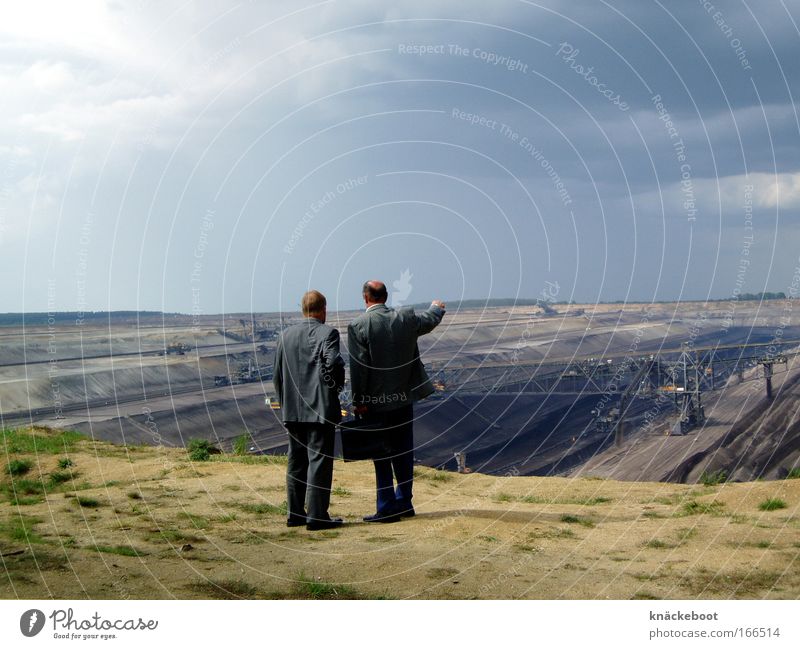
[{"x": 399, "y": 467}]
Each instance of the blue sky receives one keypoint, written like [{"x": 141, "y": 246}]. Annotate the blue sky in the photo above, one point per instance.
[{"x": 224, "y": 156}]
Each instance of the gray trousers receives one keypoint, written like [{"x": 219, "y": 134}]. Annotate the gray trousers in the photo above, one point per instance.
[{"x": 309, "y": 473}]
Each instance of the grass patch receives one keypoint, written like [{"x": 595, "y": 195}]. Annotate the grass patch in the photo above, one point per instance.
[
  {"x": 88, "y": 502},
  {"x": 18, "y": 467},
  {"x": 658, "y": 544},
  {"x": 567, "y": 518},
  {"x": 714, "y": 478},
  {"x": 122, "y": 550},
  {"x": 340, "y": 491},
  {"x": 793, "y": 474},
  {"x": 771, "y": 504},
  {"x": 26, "y": 487},
  {"x": 199, "y": 450},
  {"x": 503, "y": 498},
  {"x": 65, "y": 463},
  {"x": 134, "y": 495},
  {"x": 241, "y": 444},
  {"x": 735, "y": 583},
  {"x": 40, "y": 441},
  {"x": 277, "y": 460},
  {"x": 309, "y": 588},
  {"x": 644, "y": 595},
  {"x": 20, "y": 529},
  {"x": 59, "y": 477},
  {"x": 693, "y": 507}
]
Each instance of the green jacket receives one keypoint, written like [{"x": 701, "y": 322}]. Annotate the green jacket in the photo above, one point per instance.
[{"x": 385, "y": 367}]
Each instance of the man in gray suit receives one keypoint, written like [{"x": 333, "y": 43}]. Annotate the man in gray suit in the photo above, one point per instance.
[
  {"x": 387, "y": 376},
  {"x": 308, "y": 375}
]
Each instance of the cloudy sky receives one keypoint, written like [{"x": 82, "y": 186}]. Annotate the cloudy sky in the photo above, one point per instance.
[{"x": 226, "y": 156}]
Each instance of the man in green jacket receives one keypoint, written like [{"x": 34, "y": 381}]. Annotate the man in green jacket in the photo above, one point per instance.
[{"x": 387, "y": 376}]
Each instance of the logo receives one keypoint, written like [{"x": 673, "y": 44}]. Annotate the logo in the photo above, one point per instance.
[
  {"x": 31, "y": 622},
  {"x": 402, "y": 288}
]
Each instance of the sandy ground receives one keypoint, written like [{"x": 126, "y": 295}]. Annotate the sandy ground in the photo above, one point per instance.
[{"x": 151, "y": 524}]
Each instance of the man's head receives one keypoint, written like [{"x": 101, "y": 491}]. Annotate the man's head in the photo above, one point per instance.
[
  {"x": 314, "y": 305},
  {"x": 374, "y": 292}
]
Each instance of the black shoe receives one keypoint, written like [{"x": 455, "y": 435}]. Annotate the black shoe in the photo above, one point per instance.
[
  {"x": 295, "y": 522},
  {"x": 324, "y": 525},
  {"x": 382, "y": 518},
  {"x": 407, "y": 513}
]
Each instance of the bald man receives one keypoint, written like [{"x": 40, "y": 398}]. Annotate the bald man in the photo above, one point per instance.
[
  {"x": 308, "y": 375},
  {"x": 387, "y": 376}
]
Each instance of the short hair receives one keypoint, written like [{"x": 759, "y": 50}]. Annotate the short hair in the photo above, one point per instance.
[
  {"x": 375, "y": 291},
  {"x": 313, "y": 302}
]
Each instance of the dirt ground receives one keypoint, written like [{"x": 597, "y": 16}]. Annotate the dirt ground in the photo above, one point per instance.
[{"x": 146, "y": 522}]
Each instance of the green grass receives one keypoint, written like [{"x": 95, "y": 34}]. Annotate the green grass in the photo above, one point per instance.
[
  {"x": 340, "y": 491},
  {"x": 199, "y": 450},
  {"x": 693, "y": 507},
  {"x": 567, "y": 518},
  {"x": 793, "y": 474},
  {"x": 60, "y": 477},
  {"x": 277, "y": 460},
  {"x": 658, "y": 544},
  {"x": 714, "y": 478},
  {"x": 18, "y": 467},
  {"x": 65, "y": 463},
  {"x": 26, "y": 487},
  {"x": 19, "y": 528},
  {"x": 88, "y": 502},
  {"x": 504, "y": 498},
  {"x": 40, "y": 441},
  {"x": 241, "y": 444},
  {"x": 309, "y": 588},
  {"x": 642, "y": 594},
  {"x": 771, "y": 504},
  {"x": 122, "y": 550}
]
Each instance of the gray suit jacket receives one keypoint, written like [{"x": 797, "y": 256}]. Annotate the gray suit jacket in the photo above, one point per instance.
[
  {"x": 385, "y": 368},
  {"x": 309, "y": 373}
]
